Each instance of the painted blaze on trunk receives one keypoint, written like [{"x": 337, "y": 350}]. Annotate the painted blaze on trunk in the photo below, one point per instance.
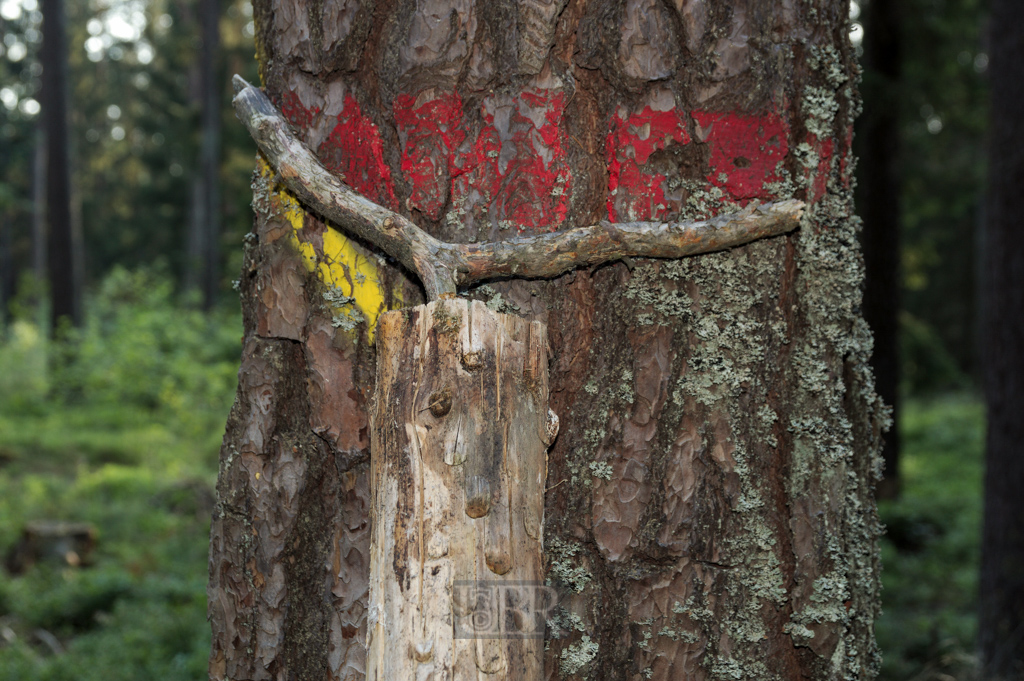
[{"x": 709, "y": 509}]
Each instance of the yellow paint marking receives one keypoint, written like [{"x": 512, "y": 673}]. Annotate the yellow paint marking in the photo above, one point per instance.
[{"x": 346, "y": 268}]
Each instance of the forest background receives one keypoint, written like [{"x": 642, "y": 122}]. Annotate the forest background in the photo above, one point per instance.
[{"x": 116, "y": 425}]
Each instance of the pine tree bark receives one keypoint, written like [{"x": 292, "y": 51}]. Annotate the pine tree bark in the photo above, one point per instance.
[
  {"x": 709, "y": 510},
  {"x": 1001, "y": 615}
]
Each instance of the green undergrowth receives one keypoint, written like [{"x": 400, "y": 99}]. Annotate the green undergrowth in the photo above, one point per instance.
[
  {"x": 119, "y": 428},
  {"x": 931, "y": 548}
]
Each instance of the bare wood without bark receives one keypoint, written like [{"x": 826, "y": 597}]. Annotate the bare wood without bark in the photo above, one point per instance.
[{"x": 460, "y": 431}]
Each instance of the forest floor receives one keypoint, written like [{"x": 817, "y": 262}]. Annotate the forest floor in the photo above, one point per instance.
[{"x": 124, "y": 437}]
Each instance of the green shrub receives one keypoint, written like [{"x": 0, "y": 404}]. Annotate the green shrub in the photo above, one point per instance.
[
  {"x": 117, "y": 426},
  {"x": 931, "y": 548}
]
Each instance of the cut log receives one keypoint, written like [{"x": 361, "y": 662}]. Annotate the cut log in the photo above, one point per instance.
[
  {"x": 52, "y": 541},
  {"x": 460, "y": 432}
]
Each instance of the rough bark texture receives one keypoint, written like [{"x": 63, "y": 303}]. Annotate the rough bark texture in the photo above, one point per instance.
[
  {"x": 1001, "y": 621},
  {"x": 709, "y": 505},
  {"x": 460, "y": 433}
]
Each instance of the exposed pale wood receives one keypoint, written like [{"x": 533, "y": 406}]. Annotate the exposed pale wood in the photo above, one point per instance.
[
  {"x": 459, "y": 439},
  {"x": 442, "y": 266}
]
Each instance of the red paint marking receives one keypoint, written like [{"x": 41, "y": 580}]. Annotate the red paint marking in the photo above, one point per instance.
[
  {"x": 504, "y": 176},
  {"x": 745, "y": 150},
  {"x": 355, "y": 152},
  {"x": 429, "y": 134},
  {"x": 819, "y": 176},
  {"x": 296, "y": 113},
  {"x": 636, "y": 193}
]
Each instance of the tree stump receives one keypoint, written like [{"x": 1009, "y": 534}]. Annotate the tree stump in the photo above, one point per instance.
[{"x": 460, "y": 432}]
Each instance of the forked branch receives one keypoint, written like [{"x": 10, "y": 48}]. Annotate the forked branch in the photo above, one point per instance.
[{"x": 444, "y": 267}]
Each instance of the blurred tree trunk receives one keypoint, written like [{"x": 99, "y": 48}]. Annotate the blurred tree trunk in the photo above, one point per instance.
[
  {"x": 39, "y": 160},
  {"x": 64, "y": 241},
  {"x": 712, "y": 513},
  {"x": 1001, "y": 623},
  {"x": 879, "y": 206},
  {"x": 7, "y": 273},
  {"x": 202, "y": 269}
]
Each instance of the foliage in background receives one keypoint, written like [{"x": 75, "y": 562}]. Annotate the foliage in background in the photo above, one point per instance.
[
  {"x": 931, "y": 548},
  {"x": 944, "y": 112},
  {"x": 124, "y": 435},
  {"x": 135, "y": 138}
]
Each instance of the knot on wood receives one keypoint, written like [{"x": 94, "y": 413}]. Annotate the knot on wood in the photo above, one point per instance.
[
  {"x": 478, "y": 496},
  {"x": 471, "y": 361},
  {"x": 423, "y": 651},
  {"x": 440, "y": 402},
  {"x": 551, "y": 428}
]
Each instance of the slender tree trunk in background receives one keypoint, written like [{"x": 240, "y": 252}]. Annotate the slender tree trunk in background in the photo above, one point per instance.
[
  {"x": 63, "y": 264},
  {"x": 202, "y": 269},
  {"x": 7, "y": 274},
  {"x": 212, "y": 87},
  {"x": 1001, "y": 622},
  {"x": 39, "y": 206},
  {"x": 879, "y": 206},
  {"x": 710, "y": 509},
  {"x": 193, "y": 271}
]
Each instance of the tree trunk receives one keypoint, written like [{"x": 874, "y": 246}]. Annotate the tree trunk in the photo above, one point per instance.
[
  {"x": 1001, "y": 621},
  {"x": 202, "y": 267},
  {"x": 39, "y": 160},
  {"x": 709, "y": 509},
  {"x": 7, "y": 274},
  {"x": 879, "y": 206},
  {"x": 64, "y": 241}
]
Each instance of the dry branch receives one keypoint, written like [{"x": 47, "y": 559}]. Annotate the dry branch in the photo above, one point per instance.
[{"x": 443, "y": 266}]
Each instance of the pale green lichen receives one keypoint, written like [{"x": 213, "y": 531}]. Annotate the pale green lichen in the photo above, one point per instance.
[
  {"x": 335, "y": 297},
  {"x": 684, "y": 636},
  {"x": 456, "y": 217},
  {"x": 344, "y": 314},
  {"x": 799, "y": 632},
  {"x": 625, "y": 391},
  {"x": 347, "y": 319},
  {"x": 495, "y": 302},
  {"x": 562, "y": 556},
  {"x": 577, "y": 656},
  {"x": 601, "y": 469},
  {"x": 564, "y": 622},
  {"x": 806, "y": 156},
  {"x": 829, "y": 63}
]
